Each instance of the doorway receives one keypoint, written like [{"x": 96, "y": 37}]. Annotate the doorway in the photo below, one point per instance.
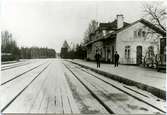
[
  {"x": 108, "y": 55},
  {"x": 139, "y": 55}
]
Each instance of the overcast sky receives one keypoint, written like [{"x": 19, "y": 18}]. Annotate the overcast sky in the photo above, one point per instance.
[{"x": 49, "y": 23}]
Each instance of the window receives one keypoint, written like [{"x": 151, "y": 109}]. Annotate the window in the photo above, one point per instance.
[
  {"x": 140, "y": 33},
  {"x": 143, "y": 34},
  {"x": 135, "y": 34},
  {"x": 127, "y": 52}
]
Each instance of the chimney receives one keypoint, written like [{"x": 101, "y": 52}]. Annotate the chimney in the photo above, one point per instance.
[{"x": 120, "y": 21}]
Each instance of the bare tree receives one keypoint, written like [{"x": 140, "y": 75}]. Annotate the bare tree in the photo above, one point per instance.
[
  {"x": 156, "y": 13},
  {"x": 93, "y": 25}
]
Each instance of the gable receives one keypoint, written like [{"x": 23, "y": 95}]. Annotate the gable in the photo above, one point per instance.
[
  {"x": 148, "y": 24},
  {"x": 138, "y": 32}
]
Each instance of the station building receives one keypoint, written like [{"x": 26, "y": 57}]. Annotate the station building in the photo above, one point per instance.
[{"x": 131, "y": 40}]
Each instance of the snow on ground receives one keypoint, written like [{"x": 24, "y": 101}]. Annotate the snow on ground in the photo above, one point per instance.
[{"x": 135, "y": 73}]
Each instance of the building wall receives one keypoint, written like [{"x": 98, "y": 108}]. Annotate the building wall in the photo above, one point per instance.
[
  {"x": 103, "y": 47},
  {"x": 127, "y": 37},
  {"x": 109, "y": 45},
  {"x": 91, "y": 51}
]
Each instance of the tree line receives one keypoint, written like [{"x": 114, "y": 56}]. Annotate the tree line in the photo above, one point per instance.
[
  {"x": 36, "y": 52},
  {"x": 10, "y": 50},
  {"x": 77, "y": 52}
]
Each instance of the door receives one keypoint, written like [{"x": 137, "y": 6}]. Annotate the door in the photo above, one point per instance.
[
  {"x": 139, "y": 55},
  {"x": 112, "y": 54},
  {"x": 108, "y": 55}
]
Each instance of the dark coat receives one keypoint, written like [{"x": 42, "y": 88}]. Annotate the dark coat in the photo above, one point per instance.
[
  {"x": 116, "y": 57},
  {"x": 97, "y": 56}
]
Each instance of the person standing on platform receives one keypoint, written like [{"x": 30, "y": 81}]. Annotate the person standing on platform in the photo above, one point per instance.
[
  {"x": 97, "y": 57},
  {"x": 116, "y": 56}
]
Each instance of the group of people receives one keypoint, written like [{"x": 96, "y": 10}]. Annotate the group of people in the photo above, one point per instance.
[{"x": 98, "y": 56}]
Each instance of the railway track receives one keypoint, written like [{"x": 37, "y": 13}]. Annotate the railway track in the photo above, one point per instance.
[
  {"x": 116, "y": 97},
  {"x": 50, "y": 88},
  {"x": 42, "y": 90},
  {"x": 19, "y": 75},
  {"x": 14, "y": 65},
  {"x": 19, "y": 84}
]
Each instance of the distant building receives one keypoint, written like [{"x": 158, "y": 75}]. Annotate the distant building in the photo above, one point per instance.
[{"x": 131, "y": 41}]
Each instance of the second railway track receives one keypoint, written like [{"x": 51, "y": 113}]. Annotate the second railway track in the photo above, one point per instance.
[
  {"x": 98, "y": 86},
  {"x": 20, "y": 85},
  {"x": 19, "y": 75},
  {"x": 14, "y": 65}
]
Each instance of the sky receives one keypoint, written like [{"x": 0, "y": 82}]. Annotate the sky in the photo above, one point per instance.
[{"x": 48, "y": 23}]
